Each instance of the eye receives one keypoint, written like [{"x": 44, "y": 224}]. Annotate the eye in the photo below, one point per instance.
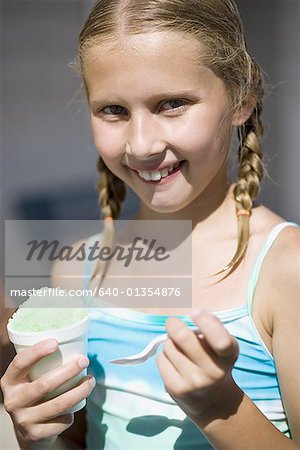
[
  {"x": 113, "y": 110},
  {"x": 175, "y": 104}
]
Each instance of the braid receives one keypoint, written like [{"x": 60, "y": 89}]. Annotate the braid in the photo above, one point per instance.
[
  {"x": 112, "y": 192},
  {"x": 250, "y": 168},
  {"x": 247, "y": 187}
]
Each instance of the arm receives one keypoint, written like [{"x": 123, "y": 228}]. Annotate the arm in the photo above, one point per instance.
[
  {"x": 35, "y": 420},
  {"x": 284, "y": 307},
  {"x": 286, "y": 328},
  {"x": 197, "y": 374},
  {"x": 38, "y": 423}
]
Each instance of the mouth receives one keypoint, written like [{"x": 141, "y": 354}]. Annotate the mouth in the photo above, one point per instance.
[{"x": 160, "y": 177}]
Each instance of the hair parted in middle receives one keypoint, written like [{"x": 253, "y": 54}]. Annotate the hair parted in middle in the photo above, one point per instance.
[{"x": 217, "y": 26}]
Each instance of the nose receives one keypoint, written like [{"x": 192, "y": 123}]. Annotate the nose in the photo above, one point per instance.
[{"x": 144, "y": 137}]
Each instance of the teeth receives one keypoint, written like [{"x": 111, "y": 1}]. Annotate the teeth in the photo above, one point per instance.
[
  {"x": 165, "y": 172},
  {"x": 145, "y": 175},
  {"x": 156, "y": 175}
]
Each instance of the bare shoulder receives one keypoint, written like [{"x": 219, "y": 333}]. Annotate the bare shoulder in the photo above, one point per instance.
[
  {"x": 69, "y": 274},
  {"x": 281, "y": 275},
  {"x": 286, "y": 269},
  {"x": 288, "y": 239},
  {"x": 283, "y": 258},
  {"x": 281, "y": 267}
]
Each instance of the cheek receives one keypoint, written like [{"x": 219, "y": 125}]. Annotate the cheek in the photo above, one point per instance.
[
  {"x": 200, "y": 136},
  {"x": 108, "y": 139},
  {"x": 197, "y": 138}
]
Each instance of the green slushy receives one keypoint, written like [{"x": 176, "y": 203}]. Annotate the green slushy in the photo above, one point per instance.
[{"x": 48, "y": 312}]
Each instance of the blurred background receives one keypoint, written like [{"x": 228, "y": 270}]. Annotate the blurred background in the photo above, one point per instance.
[{"x": 48, "y": 159}]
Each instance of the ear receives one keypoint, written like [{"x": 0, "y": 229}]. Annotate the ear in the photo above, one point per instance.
[{"x": 243, "y": 112}]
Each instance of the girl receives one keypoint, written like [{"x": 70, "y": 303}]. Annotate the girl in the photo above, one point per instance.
[{"x": 167, "y": 83}]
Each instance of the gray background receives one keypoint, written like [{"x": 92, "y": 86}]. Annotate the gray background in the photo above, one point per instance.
[{"x": 47, "y": 152}]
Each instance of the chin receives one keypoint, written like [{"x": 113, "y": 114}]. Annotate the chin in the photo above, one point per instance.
[{"x": 165, "y": 209}]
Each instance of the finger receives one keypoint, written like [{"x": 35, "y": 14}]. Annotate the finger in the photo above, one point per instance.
[
  {"x": 52, "y": 380},
  {"x": 59, "y": 405},
  {"x": 172, "y": 380},
  {"x": 197, "y": 366},
  {"x": 218, "y": 338},
  {"x": 47, "y": 432},
  {"x": 57, "y": 425},
  {"x": 23, "y": 361},
  {"x": 187, "y": 341},
  {"x": 186, "y": 368}
]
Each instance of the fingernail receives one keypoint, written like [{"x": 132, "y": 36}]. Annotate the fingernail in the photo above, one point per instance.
[
  {"x": 83, "y": 362},
  {"x": 92, "y": 382},
  {"x": 51, "y": 344}
]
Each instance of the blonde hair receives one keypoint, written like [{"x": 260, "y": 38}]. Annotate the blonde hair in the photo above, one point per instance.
[{"x": 216, "y": 24}]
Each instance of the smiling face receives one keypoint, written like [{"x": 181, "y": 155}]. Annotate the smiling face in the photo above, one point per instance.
[{"x": 152, "y": 105}]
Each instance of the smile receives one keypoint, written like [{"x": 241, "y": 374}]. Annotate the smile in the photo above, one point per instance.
[{"x": 158, "y": 176}]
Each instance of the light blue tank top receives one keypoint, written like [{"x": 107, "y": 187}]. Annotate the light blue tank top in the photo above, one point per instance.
[{"x": 129, "y": 408}]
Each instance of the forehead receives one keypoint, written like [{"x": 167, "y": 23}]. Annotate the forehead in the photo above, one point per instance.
[
  {"x": 157, "y": 59},
  {"x": 154, "y": 46}
]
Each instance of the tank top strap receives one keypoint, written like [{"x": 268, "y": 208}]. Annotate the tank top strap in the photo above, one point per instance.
[
  {"x": 88, "y": 263},
  {"x": 260, "y": 258}
]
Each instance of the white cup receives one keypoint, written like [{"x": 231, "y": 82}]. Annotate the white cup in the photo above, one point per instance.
[{"x": 72, "y": 342}]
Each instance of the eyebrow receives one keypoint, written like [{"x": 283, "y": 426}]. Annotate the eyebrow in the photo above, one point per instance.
[{"x": 96, "y": 103}]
